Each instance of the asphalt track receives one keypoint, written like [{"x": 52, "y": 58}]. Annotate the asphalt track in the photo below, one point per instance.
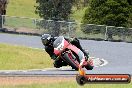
[{"x": 118, "y": 55}]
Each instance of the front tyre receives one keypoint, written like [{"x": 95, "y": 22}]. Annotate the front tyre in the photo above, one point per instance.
[{"x": 81, "y": 80}]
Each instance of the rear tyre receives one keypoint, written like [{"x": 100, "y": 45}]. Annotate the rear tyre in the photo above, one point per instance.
[{"x": 72, "y": 64}]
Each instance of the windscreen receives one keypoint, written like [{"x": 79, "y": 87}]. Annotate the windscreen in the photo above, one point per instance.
[{"x": 58, "y": 41}]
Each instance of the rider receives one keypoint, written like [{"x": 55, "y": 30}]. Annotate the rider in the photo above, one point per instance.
[{"x": 48, "y": 40}]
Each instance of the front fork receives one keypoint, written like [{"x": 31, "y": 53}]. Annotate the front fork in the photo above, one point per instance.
[
  {"x": 81, "y": 70},
  {"x": 88, "y": 64}
]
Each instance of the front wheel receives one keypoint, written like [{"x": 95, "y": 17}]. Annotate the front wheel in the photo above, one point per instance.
[{"x": 80, "y": 80}]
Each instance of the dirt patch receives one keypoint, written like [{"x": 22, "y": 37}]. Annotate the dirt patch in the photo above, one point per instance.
[{"x": 33, "y": 80}]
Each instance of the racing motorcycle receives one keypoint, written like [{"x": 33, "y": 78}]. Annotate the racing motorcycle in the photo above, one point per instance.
[{"x": 69, "y": 53}]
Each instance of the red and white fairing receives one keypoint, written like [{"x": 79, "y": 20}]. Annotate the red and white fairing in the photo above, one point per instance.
[{"x": 60, "y": 44}]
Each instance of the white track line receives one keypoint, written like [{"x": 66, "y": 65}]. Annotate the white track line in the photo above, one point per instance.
[{"x": 97, "y": 62}]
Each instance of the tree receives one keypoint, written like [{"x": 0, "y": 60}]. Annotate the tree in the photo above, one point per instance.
[
  {"x": 80, "y": 3},
  {"x": 54, "y": 10},
  {"x": 50, "y": 9},
  {"x": 130, "y": 2},
  {"x": 85, "y": 2},
  {"x": 108, "y": 12}
]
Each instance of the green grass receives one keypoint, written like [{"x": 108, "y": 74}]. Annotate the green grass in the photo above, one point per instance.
[
  {"x": 19, "y": 22},
  {"x": 20, "y": 57},
  {"x": 22, "y": 8},
  {"x": 71, "y": 84}
]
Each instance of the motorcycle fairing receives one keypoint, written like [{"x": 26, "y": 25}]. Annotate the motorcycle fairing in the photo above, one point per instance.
[
  {"x": 59, "y": 45},
  {"x": 77, "y": 51}
]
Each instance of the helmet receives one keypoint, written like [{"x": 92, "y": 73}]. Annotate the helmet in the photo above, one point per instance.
[{"x": 46, "y": 39}]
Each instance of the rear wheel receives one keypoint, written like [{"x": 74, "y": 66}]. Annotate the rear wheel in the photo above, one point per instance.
[{"x": 71, "y": 63}]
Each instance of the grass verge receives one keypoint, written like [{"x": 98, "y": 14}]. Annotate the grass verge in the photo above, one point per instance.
[
  {"x": 20, "y": 57},
  {"x": 22, "y": 8},
  {"x": 71, "y": 84}
]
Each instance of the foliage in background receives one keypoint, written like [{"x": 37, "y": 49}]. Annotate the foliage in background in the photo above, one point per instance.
[
  {"x": 108, "y": 12},
  {"x": 26, "y": 8},
  {"x": 79, "y": 4},
  {"x": 54, "y": 9},
  {"x": 130, "y": 21}
]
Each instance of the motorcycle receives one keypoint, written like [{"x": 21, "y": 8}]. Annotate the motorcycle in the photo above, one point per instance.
[{"x": 69, "y": 53}]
